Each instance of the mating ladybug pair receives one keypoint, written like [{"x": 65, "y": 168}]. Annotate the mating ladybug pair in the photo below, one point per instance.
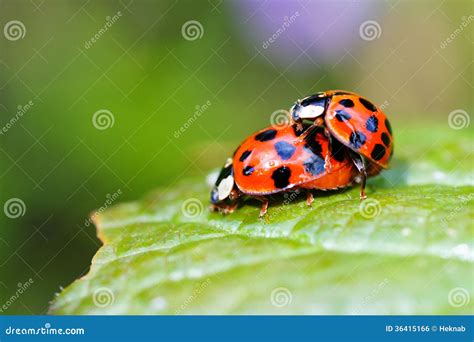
[{"x": 334, "y": 139}]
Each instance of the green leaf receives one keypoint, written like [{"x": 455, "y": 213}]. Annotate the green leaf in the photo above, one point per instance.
[{"x": 408, "y": 249}]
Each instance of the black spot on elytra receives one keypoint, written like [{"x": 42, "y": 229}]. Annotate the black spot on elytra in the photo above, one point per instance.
[
  {"x": 285, "y": 150},
  {"x": 248, "y": 170},
  {"x": 348, "y": 103},
  {"x": 244, "y": 155},
  {"x": 266, "y": 135},
  {"x": 367, "y": 104},
  {"x": 314, "y": 165},
  {"x": 357, "y": 139},
  {"x": 337, "y": 150},
  {"x": 378, "y": 152},
  {"x": 281, "y": 177},
  {"x": 314, "y": 147},
  {"x": 389, "y": 127},
  {"x": 342, "y": 116},
  {"x": 386, "y": 139},
  {"x": 372, "y": 124}
]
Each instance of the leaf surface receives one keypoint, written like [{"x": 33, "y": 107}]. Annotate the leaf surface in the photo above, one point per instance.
[{"x": 408, "y": 249}]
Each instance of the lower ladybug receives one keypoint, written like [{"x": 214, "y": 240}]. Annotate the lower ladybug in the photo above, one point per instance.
[
  {"x": 275, "y": 160},
  {"x": 352, "y": 120}
]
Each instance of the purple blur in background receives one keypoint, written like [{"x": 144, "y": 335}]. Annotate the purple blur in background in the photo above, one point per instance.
[{"x": 301, "y": 33}]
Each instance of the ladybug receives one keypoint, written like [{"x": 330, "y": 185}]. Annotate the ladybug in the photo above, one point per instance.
[
  {"x": 352, "y": 120},
  {"x": 275, "y": 160}
]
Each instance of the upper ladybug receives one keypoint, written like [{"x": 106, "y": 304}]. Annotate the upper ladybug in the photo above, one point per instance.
[{"x": 351, "y": 119}]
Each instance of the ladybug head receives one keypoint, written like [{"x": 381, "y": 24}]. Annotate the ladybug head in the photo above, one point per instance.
[
  {"x": 225, "y": 187},
  {"x": 309, "y": 108}
]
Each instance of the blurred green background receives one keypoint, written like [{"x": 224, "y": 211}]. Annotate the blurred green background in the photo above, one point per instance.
[{"x": 152, "y": 67}]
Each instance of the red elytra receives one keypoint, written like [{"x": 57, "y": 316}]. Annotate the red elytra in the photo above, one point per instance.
[
  {"x": 275, "y": 159},
  {"x": 351, "y": 119}
]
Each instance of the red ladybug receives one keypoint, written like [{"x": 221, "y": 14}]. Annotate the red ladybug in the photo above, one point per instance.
[
  {"x": 275, "y": 160},
  {"x": 351, "y": 119}
]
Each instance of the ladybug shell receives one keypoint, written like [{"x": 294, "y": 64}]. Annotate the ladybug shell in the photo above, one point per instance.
[
  {"x": 275, "y": 159},
  {"x": 360, "y": 125}
]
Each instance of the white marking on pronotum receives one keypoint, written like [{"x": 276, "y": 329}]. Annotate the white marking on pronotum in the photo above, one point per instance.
[
  {"x": 310, "y": 112},
  {"x": 225, "y": 187}
]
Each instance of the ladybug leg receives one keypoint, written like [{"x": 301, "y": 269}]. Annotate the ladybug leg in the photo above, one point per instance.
[
  {"x": 299, "y": 125},
  {"x": 235, "y": 194},
  {"x": 225, "y": 208},
  {"x": 305, "y": 134},
  {"x": 231, "y": 205},
  {"x": 361, "y": 165},
  {"x": 319, "y": 122},
  {"x": 309, "y": 198},
  {"x": 264, "y": 209},
  {"x": 327, "y": 158}
]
